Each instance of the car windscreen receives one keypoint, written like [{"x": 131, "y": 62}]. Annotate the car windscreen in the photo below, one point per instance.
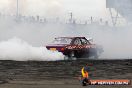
[{"x": 62, "y": 41}]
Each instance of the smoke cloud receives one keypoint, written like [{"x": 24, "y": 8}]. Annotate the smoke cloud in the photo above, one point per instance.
[
  {"x": 116, "y": 41},
  {"x": 17, "y": 49},
  {"x": 57, "y": 8},
  {"x": 47, "y": 8}
]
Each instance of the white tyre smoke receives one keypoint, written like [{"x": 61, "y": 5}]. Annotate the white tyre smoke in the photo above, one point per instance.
[{"x": 17, "y": 49}]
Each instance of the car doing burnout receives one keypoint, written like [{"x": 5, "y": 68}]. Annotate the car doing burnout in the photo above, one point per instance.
[{"x": 75, "y": 47}]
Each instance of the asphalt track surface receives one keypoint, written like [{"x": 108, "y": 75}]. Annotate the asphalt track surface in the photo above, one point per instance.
[{"x": 61, "y": 74}]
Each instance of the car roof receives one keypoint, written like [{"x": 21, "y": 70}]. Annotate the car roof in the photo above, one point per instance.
[{"x": 71, "y": 37}]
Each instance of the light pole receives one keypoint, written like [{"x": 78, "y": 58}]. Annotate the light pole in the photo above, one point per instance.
[
  {"x": 71, "y": 17},
  {"x": 17, "y": 13}
]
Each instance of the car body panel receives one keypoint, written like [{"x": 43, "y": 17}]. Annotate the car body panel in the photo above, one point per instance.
[{"x": 77, "y": 45}]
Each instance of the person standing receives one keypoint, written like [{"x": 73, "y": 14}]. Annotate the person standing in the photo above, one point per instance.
[{"x": 85, "y": 75}]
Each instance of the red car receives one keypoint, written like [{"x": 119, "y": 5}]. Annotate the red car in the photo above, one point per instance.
[{"x": 75, "y": 47}]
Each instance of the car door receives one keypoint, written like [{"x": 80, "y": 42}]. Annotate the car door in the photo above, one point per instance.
[
  {"x": 85, "y": 45},
  {"x": 77, "y": 42}
]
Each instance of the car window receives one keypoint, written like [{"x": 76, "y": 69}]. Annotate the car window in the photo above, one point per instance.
[
  {"x": 84, "y": 41},
  {"x": 77, "y": 41},
  {"x": 62, "y": 41}
]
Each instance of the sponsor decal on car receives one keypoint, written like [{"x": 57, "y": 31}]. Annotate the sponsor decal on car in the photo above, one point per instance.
[{"x": 80, "y": 46}]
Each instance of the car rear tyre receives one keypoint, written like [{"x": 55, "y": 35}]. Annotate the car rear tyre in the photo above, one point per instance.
[
  {"x": 72, "y": 55},
  {"x": 66, "y": 57}
]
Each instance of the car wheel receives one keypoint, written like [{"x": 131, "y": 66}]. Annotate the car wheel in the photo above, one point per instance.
[
  {"x": 72, "y": 55},
  {"x": 66, "y": 57},
  {"x": 78, "y": 54}
]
